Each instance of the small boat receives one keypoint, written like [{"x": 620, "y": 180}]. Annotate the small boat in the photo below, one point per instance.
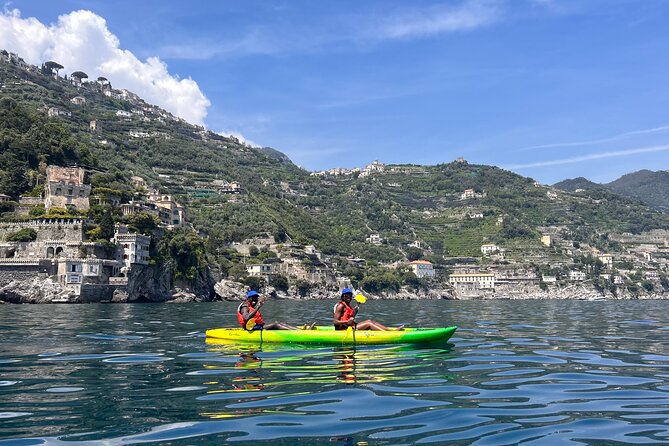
[{"x": 329, "y": 336}]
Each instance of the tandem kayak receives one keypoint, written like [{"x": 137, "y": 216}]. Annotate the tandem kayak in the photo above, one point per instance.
[{"x": 330, "y": 336}]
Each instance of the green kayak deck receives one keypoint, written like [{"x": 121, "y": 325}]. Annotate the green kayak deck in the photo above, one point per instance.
[{"x": 330, "y": 336}]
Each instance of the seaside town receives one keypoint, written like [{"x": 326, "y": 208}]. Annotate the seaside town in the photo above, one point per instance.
[
  {"x": 57, "y": 250},
  {"x": 58, "y": 256}
]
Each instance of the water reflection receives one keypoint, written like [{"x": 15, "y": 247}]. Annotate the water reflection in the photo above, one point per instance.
[{"x": 536, "y": 373}]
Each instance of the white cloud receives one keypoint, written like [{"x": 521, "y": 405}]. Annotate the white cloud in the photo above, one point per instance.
[
  {"x": 81, "y": 41},
  {"x": 443, "y": 19},
  {"x": 614, "y": 138},
  {"x": 590, "y": 157}
]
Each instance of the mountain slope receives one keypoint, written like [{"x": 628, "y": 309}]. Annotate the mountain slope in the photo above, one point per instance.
[
  {"x": 573, "y": 184},
  {"x": 645, "y": 185},
  {"x": 337, "y": 214}
]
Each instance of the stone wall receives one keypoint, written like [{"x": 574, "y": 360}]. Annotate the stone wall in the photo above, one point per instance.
[{"x": 69, "y": 230}]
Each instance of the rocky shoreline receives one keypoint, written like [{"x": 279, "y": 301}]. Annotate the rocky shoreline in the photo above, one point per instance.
[{"x": 153, "y": 285}]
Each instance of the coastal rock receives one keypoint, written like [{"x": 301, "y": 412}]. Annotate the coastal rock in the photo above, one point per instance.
[
  {"x": 35, "y": 290},
  {"x": 229, "y": 290}
]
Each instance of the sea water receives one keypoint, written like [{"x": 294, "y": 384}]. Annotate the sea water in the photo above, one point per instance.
[{"x": 515, "y": 372}]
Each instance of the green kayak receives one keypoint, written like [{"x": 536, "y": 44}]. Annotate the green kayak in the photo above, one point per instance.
[{"x": 330, "y": 336}]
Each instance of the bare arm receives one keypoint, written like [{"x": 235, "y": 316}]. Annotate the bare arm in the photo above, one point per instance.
[
  {"x": 339, "y": 313},
  {"x": 245, "y": 310}
]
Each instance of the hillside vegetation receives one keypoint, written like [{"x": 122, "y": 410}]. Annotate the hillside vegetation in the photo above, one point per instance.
[{"x": 403, "y": 204}]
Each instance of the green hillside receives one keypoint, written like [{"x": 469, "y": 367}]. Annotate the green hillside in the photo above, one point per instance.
[{"x": 403, "y": 204}]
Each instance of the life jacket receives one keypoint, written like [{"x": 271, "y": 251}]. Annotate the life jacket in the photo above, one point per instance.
[
  {"x": 255, "y": 320},
  {"x": 349, "y": 313}
]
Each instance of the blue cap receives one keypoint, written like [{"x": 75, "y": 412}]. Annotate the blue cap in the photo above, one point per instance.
[
  {"x": 346, "y": 291},
  {"x": 251, "y": 293}
]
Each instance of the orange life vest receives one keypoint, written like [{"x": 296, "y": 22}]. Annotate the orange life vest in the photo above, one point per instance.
[
  {"x": 349, "y": 313},
  {"x": 256, "y": 319}
]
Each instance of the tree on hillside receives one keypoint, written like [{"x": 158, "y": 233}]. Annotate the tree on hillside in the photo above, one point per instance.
[
  {"x": 104, "y": 82},
  {"x": 79, "y": 75},
  {"x": 50, "y": 66}
]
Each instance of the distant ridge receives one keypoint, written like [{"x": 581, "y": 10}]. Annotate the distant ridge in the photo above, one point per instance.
[
  {"x": 647, "y": 186},
  {"x": 650, "y": 187},
  {"x": 573, "y": 184}
]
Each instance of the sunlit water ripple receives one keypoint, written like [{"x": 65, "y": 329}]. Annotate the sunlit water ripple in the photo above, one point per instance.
[{"x": 516, "y": 372}]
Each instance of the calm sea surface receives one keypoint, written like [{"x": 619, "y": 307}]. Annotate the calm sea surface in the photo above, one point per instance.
[{"x": 516, "y": 372}]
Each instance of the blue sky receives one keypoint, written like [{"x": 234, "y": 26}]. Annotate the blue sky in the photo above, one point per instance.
[{"x": 550, "y": 89}]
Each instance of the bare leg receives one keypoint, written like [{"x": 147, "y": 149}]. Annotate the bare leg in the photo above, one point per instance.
[
  {"x": 278, "y": 326},
  {"x": 372, "y": 325}
]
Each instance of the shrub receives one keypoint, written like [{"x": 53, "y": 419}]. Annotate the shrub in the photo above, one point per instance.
[{"x": 23, "y": 235}]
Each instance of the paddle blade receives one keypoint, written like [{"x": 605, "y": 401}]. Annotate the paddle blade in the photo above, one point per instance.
[{"x": 360, "y": 299}]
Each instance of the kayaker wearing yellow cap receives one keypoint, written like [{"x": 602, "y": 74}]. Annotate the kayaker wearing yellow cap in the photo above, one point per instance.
[{"x": 344, "y": 315}]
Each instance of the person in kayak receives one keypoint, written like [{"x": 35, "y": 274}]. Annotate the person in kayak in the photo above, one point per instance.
[
  {"x": 344, "y": 315},
  {"x": 250, "y": 318}
]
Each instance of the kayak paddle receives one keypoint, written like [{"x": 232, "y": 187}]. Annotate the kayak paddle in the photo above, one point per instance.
[{"x": 360, "y": 299}]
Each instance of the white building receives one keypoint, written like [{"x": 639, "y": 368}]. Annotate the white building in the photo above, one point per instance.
[
  {"x": 132, "y": 248},
  {"x": 374, "y": 239},
  {"x": 422, "y": 268},
  {"x": 259, "y": 270},
  {"x": 468, "y": 194},
  {"x": 489, "y": 249},
  {"x": 606, "y": 259},
  {"x": 576, "y": 275},
  {"x": 477, "y": 280}
]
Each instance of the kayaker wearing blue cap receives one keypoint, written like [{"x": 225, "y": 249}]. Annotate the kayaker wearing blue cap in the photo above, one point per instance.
[
  {"x": 250, "y": 318},
  {"x": 344, "y": 315}
]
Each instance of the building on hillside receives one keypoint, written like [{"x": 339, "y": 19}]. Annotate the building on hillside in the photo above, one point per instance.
[
  {"x": 132, "y": 248},
  {"x": 651, "y": 274},
  {"x": 375, "y": 167},
  {"x": 138, "y": 182},
  {"x": 259, "y": 270},
  {"x": 549, "y": 279},
  {"x": 374, "y": 239},
  {"x": 170, "y": 213},
  {"x": 123, "y": 114},
  {"x": 54, "y": 112},
  {"x": 422, "y": 268},
  {"x": 94, "y": 126},
  {"x": 472, "y": 281},
  {"x": 489, "y": 249},
  {"x": 577, "y": 276},
  {"x": 617, "y": 280},
  {"x": 468, "y": 194},
  {"x": 547, "y": 240},
  {"x": 4, "y": 197},
  {"x": 606, "y": 259},
  {"x": 65, "y": 188},
  {"x": 78, "y": 100}
]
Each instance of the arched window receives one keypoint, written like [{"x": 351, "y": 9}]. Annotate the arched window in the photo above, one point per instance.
[
  {"x": 49, "y": 252},
  {"x": 59, "y": 251}
]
